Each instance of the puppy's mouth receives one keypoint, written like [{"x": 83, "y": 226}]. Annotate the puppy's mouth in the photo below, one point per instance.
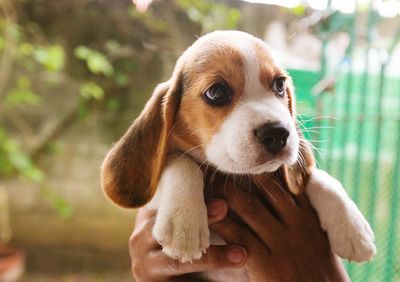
[
  {"x": 264, "y": 162},
  {"x": 268, "y": 163}
]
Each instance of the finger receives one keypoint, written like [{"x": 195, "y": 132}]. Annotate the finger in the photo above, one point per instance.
[
  {"x": 216, "y": 183},
  {"x": 217, "y": 209},
  {"x": 270, "y": 189},
  {"x": 234, "y": 233},
  {"x": 253, "y": 212},
  {"x": 276, "y": 193},
  {"x": 273, "y": 186},
  {"x": 303, "y": 201},
  {"x": 142, "y": 236},
  {"x": 143, "y": 215},
  {"x": 217, "y": 257}
]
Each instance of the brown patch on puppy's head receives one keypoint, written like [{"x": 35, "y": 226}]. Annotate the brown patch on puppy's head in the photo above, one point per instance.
[{"x": 206, "y": 64}]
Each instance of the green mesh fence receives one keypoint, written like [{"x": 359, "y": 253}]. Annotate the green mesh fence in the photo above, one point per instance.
[{"x": 357, "y": 134}]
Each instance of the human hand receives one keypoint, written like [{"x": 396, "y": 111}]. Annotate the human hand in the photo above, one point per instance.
[
  {"x": 149, "y": 263},
  {"x": 282, "y": 234}
]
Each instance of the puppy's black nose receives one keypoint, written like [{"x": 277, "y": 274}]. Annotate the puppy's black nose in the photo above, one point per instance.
[{"x": 272, "y": 136}]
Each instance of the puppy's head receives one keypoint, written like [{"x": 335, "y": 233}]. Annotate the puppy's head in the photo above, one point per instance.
[{"x": 229, "y": 103}]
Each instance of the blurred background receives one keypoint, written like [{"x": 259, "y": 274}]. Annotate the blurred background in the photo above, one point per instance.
[{"x": 74, "y": 74}]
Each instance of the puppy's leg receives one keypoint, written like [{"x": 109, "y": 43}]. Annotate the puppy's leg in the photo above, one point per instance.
[
  {"x": 349, "y": 233},
  {"x": 181, "y": 225}
]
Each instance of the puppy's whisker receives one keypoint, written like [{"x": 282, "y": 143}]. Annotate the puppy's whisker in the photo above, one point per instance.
[
  {"x": 248, "y": 184},
  {"x": 201, "y": 164},
  {"x": 318, "y": 141},
  {"x": 306, "y": 130},
  {"x": 170, "y": 131},
  {"x": 194, "y": 132},
  {"x": 302, "y": 161},
  {"x": 265, "y": 190},
  {"x": 189, "y": 150},
  {"x": 320, "y": 126},
  {"x": 226, "y": 180},
  {"x": 279, "y": 185},
  {"x": 213, "y": 177},
  {"x": 319, "y": 153},
  {"x": 317, "y": 118}
]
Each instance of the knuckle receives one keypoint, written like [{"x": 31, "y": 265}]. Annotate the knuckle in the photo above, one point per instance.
[
  {"x": 234, "y": 233},
  {"x": 138, "y": 271},
  {"x": 134, "y": 239},
  {"x": 241, "y": 235},
  {"x": 252, "y": 208}
]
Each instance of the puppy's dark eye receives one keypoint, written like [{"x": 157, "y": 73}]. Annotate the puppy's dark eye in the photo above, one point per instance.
[
  {"x": 279, "y": 86},
  {"x": 219, "y": 94}
]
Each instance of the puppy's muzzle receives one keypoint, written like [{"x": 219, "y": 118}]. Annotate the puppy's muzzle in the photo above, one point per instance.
[{"x": 272, "y": 136}]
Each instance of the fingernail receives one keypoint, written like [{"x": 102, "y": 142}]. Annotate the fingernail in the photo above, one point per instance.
[
  {"x": 214, "y": 207},
  {"x": 236, "y": 254}
]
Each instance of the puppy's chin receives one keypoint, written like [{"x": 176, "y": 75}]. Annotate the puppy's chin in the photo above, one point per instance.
[
  {"x": 255, "y": 160},
  {"x": 269, "y": 165},
  {"x": 266, "y": 167}
]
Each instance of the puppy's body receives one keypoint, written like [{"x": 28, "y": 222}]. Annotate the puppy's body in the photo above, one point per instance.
[{"x": 230, "y": 106}]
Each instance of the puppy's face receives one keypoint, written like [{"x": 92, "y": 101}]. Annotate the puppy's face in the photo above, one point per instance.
[{"x": 236, "y": 109}]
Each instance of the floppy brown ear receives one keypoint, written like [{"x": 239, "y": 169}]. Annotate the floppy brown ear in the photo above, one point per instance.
[
  {"x": 132, "y": 168},
  {"x": 296, "y": 176}
]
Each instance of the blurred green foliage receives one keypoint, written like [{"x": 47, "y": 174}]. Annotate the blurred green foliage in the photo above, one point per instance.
[
  {"x": 32, "y": 59},
  {"x": 96, "y": 61},
  {"x": 21, "y": 94},
  {"x": 210, "y": 15},
  {"x": 38, "y": 63},
  {"x": 14, "y": 159}
]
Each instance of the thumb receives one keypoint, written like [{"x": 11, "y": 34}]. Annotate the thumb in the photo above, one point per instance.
[{"x": 217, "y": 256}]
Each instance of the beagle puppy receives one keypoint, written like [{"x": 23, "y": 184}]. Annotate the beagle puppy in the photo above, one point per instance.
[{"x": 228, "y": 105}]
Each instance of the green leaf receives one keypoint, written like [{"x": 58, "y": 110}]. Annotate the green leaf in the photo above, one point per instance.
[
  {"x": 195, "y": 15},
  {"x": 34, "y": 174},
  {"x": 234, "y": 16},
  {"x": 21, "y": 162},
  {"x": 19, "y": 96},
  {"x": 82, "y": 52},
  {"x": 2, "y": 42},
  {"x": 90, "y": 90},
  {"x": 51, "y": 57},
  {"x": 22, "y": 94},
  {"x": 98, "y": 63},
  {"x": 26, "y": 49},
  {"x": 299, "y": 10},
  {"x": 112, "y": 45},
  {"x": 24, "y": 82},
  {"x": 112, "y": 104},
  {"x": 83, "y": 110},
  {"x": 63, "y": 208},
  {"x": 121, "y": 79}
]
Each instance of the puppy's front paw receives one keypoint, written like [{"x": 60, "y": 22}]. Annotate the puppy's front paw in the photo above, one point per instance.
[
  {"x": 349, "y": 233},
  {"x": 351, "y": 236},
  {"x": 183, "y": 233}
]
